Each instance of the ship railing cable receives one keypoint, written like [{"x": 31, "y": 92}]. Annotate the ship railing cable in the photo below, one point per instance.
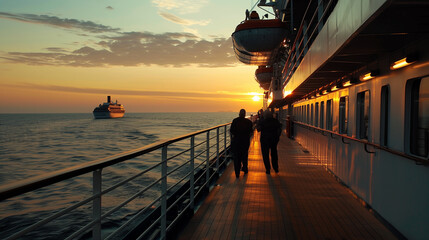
[
  {"x": 204, "y": 158},
  {"x": 292, "y": 60}
]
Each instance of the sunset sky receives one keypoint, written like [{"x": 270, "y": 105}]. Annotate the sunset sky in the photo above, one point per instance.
[{"x": 150, "y": 55}]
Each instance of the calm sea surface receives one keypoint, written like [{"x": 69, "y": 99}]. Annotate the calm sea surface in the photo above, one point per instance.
[{"x": 33, "y": 144}]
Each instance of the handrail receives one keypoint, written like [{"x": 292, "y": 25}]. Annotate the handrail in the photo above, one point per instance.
[
  {"x": 204, "y": 171},
  {"x": 366, "y": 143},
  {"x": 37, "y": 182}
]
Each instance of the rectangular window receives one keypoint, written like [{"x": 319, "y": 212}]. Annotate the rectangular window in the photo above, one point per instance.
[
  {"x": 419, "y": 117},
  {"x": 316, "y": 115},
  {"x": 384, "y": 115},
  {"x": 329, "y": 115},
  {"x": 308, "y": 114},
  {"x": 312, "y": 115},
  {"x": 362, "y": 114},
  {"x": 322, "y": 114},
  {"x": 343, "y": 114}
]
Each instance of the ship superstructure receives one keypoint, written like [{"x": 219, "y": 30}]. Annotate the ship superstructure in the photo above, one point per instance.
[
  {"x": 109, "y": 110},
  {"x": 349, "y": 78}
]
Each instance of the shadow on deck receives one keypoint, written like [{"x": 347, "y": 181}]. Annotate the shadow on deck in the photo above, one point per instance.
[{"x": 302, "y": 201}]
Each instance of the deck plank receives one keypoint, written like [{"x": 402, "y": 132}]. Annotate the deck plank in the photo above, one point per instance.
[{"x": 302, "y": 201}]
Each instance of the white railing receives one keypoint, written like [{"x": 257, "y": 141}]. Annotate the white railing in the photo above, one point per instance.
[{"x": 183, "y": 179}]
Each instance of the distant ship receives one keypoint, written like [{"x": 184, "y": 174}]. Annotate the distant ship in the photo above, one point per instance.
[{"x": 109, "y": 110}]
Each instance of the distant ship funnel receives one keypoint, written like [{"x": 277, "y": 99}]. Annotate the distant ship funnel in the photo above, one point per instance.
[{"x": 108, "y": 99}]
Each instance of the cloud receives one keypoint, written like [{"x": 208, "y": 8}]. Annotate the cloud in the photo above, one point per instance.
[
  {"x": 87, "y": 26},
  {"x": 134, "y": 49},
  {"x": 183, "y": 6},
  {"x": 115, "y": 48},
  {"x": 175, "y": 19},
  {"x": 172, "y": 94}
]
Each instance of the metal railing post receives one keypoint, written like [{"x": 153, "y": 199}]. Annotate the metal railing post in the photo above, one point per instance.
[
  {"x": 217, "y": 150},
  {"x": 191, "y": 176},
  {"x": 164, "y": 193},
  {"x": 224, "y": 141},
  {"x": 96, "y": 204},
  {"x": 208, "y": 159}
]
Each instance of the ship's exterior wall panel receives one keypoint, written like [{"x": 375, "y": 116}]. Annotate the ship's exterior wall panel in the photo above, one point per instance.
[
  {"x": 347, "y": 17},
  {"x": 394, "y": 186}
]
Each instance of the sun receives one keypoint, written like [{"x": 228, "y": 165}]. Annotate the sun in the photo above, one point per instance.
[{"x": 256, "y": 98}]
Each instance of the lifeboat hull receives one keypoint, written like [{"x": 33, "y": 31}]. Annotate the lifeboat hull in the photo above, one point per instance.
[
  {"x": 259, "y": 40},
  {"x": 256, "y": 42},
  {"x": 263, "y": 76}
]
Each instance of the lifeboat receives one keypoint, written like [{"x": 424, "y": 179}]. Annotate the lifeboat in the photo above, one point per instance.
[
  {"x": 256, "y": 41},
  {"x": 263, "y": 76}
]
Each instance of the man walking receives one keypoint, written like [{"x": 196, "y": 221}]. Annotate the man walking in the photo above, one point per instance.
[{"x": 241, "y": 131}]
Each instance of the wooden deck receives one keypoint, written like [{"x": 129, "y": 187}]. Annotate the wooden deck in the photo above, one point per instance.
[{"x": 302, "y": 201}]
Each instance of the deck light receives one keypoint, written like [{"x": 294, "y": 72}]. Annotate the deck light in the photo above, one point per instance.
[
  {"x": 403, "y": 62},
  {"x": 348, "y": 83},
  {"x": 325, "y": 92},
  {"x": 367, "y": 76},
  {"x": 335, "y": 88},
  {"x": 370, "y": 75}
]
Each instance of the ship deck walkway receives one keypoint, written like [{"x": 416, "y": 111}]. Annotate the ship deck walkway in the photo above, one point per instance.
[{"x": 302, "y": 201}]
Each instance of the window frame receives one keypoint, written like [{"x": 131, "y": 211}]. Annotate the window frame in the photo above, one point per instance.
[
  {"x": 363, "y": 114},
  {"x": 384, "y": 115},
  {"x": 412, "y": 116},
  {"x": 329, "y": 114},
  {"x": 343, "y": 115}
]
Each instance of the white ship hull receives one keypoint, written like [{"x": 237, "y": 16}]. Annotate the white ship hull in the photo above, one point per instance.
[{"x": 105, "y": 115}]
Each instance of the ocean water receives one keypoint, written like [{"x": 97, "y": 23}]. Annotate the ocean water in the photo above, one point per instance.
[{"x": 34, "y": 144}]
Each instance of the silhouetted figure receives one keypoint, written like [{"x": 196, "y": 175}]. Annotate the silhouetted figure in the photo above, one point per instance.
[
  {"x": 241, "y": 131},
  {"x": 270, "y": 129}
]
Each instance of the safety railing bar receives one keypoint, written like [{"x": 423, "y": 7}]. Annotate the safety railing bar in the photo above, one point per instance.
[
  {"x": 37, "y": 182},
  {"x": 52, "y": 217},
  {"x": 298, "y": 35},
  {"x": 311, "y": 36},
  {"x": 199, "y": 165},
  {"x": 212, "y": 157},
  {"x": 151, "y": 226},
  {"x": 178, "y": 216},
  {"x": 318, "y": 23},
  {"x": 213, "y": 137},
  {"x": 199, "y": 178},
  {"x": 310, "y": 22},
  {"x": 212, "y": 175},
  {"x": 118, "y": 206},
  {"x": 178, "y": 154},
  {"x": 178, "y": 167},
  {"x": 302, "y": 39},
  {"x": 342, "y": 140},
  {"x": 130, "y": 199},
  {"x": 129, "y": 179},
  {"x": 82, "y": 230},
  {"x": 177, "y": 183},
  {"x": 410, "y": 157},
  {"x": 199, "y": 144},
  {"x": 199, "y": 190},
  {"x": 177, "y": 200},
  {"x": 213, "y": 145},
  {"x": 199, "y": 154},
  {"x": 139, "y": 213},
  {"x": 117, "y": 185}
]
